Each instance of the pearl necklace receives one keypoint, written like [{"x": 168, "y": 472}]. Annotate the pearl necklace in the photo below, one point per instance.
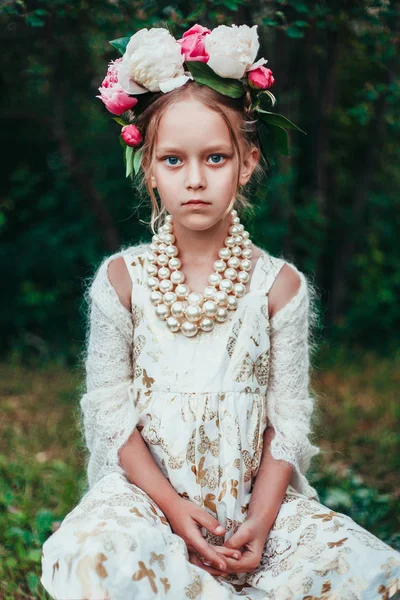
[{"x": 191, "y": 312}]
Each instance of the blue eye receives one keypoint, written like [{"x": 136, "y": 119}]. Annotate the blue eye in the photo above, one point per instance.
[
  {"x": 169, "y": 157},
  {"x": 216, "y": 155}
]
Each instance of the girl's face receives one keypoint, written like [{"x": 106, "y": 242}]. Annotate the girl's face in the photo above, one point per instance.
[{"x": 195, "y": 159}]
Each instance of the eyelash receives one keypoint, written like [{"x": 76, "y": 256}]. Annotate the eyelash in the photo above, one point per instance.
[{"x": 166, "y": 157}]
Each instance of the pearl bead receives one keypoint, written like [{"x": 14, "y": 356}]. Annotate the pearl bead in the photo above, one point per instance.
[
  {"x": 182, "y": 291},
  {"x": 226, "y": 285},
  {"x": 224, "y": 253},
  {"x": 167, "y": 227},
  {"x": 243, "y": 276},
  {"x": 151, "y": 257},
  {"x": 229, "y": 241},
  {"x": 171, "y": 251},
  {"x": 230, "y": 273},
  {"x": 232, "y": 303},
  {"x": 245, "y": 264},
  {"x": 161, "y": 247},
  {"x": 173, "y": 324},
  {"x": 193, "y": 312},
  {"x": 247, "y": 253},
  {"x": 238, "y": 239},
  {"x": 174, "y": 263},
  {"x": 162, "y": 260},
  {"x": 210, "y": 308},
  {"x": 233, "y": 230},
  {"x": 177, "y": 277},
  {"x": 156, "y": 297},
  {"x": 236, "y": 251},
  {"x": 221, "y": 298},
  {"x": 153, "y": 247},
  {"x": 214, "y": 279},
  {"x": 209, "y": 291},
  {"x": 169, "y": 238},
  {"x": 219, "y": 266},
  {"x": 162, "y": 311},
  {"x": 234, "y": 262},
  {"x": 246, "y": 243},
  {"x": 168, "y": 218},
  {"x": 245, "y": 235},
  {"x": 178, "y": 309},
  {"x": 236, "y": 220},
  {"x": 163, "y": 273},
  {"x": 234, "y": 212},
  {"x": 155, "y": 238},
  {"x": 239, "y": 290},
  {"x": 152, "y": 269},
  {"x": 222, "y": 314},
  {"x": 189, "y": 329},
  {"x": 169, "y": 298},
  {"x": 152, "y": 282},
  {"x": 206, "y": 324},
  {"x": 166, "y": 285},
  {"x": 195, "y": 298}
]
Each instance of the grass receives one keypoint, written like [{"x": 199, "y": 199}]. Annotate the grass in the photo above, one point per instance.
[{"x": 357, "y": 426}]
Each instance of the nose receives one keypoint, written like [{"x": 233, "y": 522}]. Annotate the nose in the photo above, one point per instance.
[{"x": 194, "y": 175}]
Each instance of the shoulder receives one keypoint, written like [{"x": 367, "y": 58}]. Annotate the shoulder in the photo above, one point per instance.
[
  {"x": 112, "y": 272},
  {"x": 285, "y": 287}
]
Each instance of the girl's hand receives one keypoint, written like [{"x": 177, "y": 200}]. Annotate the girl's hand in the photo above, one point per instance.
[
  {"x": 250, "y": 539},
  {"x": 186, "y": 520},
  {"x": 201, "y": 562}
]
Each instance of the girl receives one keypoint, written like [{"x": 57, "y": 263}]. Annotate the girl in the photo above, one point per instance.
[{"x": 197, "y": 411}]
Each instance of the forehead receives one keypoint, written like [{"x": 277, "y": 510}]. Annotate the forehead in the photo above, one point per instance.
[{"x": 191, "y": 123}]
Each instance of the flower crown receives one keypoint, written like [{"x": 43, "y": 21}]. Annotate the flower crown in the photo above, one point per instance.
[{"x": 222, "y": 58}]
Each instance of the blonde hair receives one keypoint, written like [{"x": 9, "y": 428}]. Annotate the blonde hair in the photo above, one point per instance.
[{"x": 151, "y": 108}]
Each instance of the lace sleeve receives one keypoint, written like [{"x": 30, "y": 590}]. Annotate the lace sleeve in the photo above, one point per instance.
[
  {"x": 108, "y": 404},
  {"x": 289, "y": 402}
]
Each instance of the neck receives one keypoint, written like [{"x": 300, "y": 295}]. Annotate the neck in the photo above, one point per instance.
[{"x": 202, "y": 246}]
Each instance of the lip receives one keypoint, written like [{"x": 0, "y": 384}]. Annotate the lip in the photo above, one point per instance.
[{"x": 196, "y": 202}]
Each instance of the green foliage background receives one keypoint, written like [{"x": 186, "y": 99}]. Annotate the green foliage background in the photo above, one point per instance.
[{"x": 333, "y": 207}]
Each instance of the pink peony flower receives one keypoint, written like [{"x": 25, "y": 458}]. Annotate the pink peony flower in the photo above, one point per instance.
[
  {"x": 192, "y": 43},
  {"x": 131, "y": 135},
  {"x": 260, "y": 78},
  {"x": 111, "y": 93}
]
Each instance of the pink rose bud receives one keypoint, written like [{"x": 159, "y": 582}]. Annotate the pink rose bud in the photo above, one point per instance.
[
  {"x": 131, "y": 135},
  {"x": 260, "y": 78},
  {"x": 112, "y": 95},
  {"x": 192, "y": 43}
]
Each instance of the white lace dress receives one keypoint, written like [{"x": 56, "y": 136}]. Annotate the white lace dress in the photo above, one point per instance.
[{"x": 202, "y": 405}]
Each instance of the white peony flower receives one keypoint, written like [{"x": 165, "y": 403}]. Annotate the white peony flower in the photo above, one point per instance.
[
  {"x": 232, "y": 50},
  {"x": 152, "y": 61}
]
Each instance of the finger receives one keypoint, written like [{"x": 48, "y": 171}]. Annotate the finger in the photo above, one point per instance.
[
  {"x": 195, "y": 560},
  {"x": 240, "y": 538},
  {"x": 244, "y": 565},
  {"x": 210, "y": 523},
  {"x": 210, "y": 555},
  {"x": 231, "y": 552}
]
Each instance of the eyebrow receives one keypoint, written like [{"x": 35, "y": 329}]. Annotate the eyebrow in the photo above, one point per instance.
[{"x": 214, "y": 146}]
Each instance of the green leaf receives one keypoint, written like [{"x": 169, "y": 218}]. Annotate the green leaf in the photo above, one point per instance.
[
  {"x": 137, "y": 161},
  {"x": 120, "y": 44},
  {"x": 274, "y": 140},
  {"x": 120, "y": 121},
  {"x": 293, "y": 32},
  {"x": 278, "y": 120},
  {"x": 204, "y": 75},
  {"x": 128, "y": 158}
]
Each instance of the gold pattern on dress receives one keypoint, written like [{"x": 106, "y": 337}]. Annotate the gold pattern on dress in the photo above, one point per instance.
[
  {"x": 338, "y": 543},
  {"x": 145, "y": 572},
  {"x": 194, "y": 589},
  {"x": 206, "y": 445},
  {"x": 158, "y": 558},
  {"x": 230, "y": 346},
  {"x": 209, "y": 502},
  {"x": 99, "y": 567},
  {"x": 304, "y": 508},
  {"x": 166, "y": 583},
  {"x": 251, "y": 463},
  {"x": 137, "y": 315},
  {"x": 250, "y": 368},
  {"x": 138, "y": 346},
  {"x": 56, "y": 567},
  {"x": 200, "y": 472},
  {"x": 147, "y": 380}
]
